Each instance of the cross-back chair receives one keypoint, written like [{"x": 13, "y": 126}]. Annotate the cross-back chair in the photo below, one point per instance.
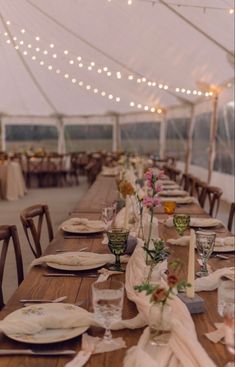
[
  {"x": 9, "y": 233},
  {"x": 32, "y": 219},
  {"x": 212, "y": 195},
  {"x": 231, "y": 216}
]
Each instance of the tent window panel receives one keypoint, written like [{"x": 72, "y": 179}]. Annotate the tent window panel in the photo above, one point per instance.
[
  {"x": 31, "y": 137},
  {"x": 201, "y": 138},
  {"x": 140, "y": 138},
  {"x": 176, "y": 137},
  {"x": 88, "y": 137},
  {"x": 225, "y": 139}
]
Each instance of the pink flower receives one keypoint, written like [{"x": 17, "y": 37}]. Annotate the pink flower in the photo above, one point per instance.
[
  {"x": 149, "y": 175},
  {"x": 161, "y": 175},
  {"x": 158, "y": 187},
  {"x": 148, "y": 202},
  {"x": 156, "y": 201}
]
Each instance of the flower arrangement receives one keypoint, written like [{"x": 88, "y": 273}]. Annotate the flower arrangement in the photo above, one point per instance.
[
  {"x": 152, "y": 200},
  {"x": 140, "y": 194},
  {"x": 125, "y": 188},
  {"x": 161, "y": 294}
]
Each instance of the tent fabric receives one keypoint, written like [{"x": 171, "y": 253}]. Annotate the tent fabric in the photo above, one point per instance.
[{"x": 137, "y": 41}]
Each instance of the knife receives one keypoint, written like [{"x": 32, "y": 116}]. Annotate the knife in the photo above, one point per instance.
[
  {"x": 70, "y": 275},
  {"x": 5, "y": 352}
]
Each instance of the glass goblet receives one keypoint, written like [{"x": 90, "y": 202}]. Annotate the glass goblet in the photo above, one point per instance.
[
  {"x": 117, "y": 242},
  {"x": 229, "y": 323},
  {"x": 181, "y": 223},
  {"x": 169, "y": 207},
  {"x": 107, "y": 215},
  {"x": 205, "y": 242},
  {"x": 107, "y": 300}
]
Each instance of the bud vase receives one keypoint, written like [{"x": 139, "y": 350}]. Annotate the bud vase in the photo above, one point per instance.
[{"x": 160, "y": 317}]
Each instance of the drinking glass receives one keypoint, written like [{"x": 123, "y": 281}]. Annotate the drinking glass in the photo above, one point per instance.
[
  {"x": 117, "y": 238},
  {"x": 205, "y": 242},
  {"x": 229, "y": 323},
  {"x": 107, "y": 299},
  {"x": 108, "y": 214},
  {"x": 181, "y": 223},
  {"x": 169, "y": 207},
  {"x": 226, "y": 293}
]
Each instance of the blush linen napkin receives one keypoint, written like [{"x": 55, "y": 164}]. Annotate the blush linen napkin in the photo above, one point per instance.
[
  {"x": 179, "y": 199},
  {"x": 77, "y": 258},
  {"x": 184, "y": 348},
  {"x": 195, "y": 222},
  {"x": 219, "y": 241},
  {"x": 175, "y": 192}
]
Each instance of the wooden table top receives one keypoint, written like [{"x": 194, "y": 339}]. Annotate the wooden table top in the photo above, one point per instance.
[{"x": 36, "y": 285}]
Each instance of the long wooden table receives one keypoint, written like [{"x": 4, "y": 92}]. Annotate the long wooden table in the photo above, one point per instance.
[{"x": 36, "y": 285}]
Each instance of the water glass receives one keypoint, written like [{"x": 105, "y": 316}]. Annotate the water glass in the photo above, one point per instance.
[
  {"x": 181, "y": 223},
  {"x": 205, "y": 242},
  {"x": 226, "y": 294},
  {"x": 107, "y": 299}
]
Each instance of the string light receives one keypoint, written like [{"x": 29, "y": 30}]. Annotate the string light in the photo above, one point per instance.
[
  {"x": 99, "y": 70},
  {"x": 108, "y": 73}
]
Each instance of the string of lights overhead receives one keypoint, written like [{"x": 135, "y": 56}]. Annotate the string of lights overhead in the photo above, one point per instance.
[
  {"x": 47, "y": 58},
  {"x": 227, "y": 9},
  {"x": 79, "y": 61}
]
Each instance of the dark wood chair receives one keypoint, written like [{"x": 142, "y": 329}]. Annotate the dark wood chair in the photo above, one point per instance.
[
  {"x": 8, "y": 233},
  {"x": 211, "y": 198},
  {"x": 231, "y": 217},
  {"x": 32, "y": 220},
  {"x": 199, "y": 189}
]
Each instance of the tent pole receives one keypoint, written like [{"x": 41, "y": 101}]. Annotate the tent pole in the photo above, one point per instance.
[
  {"x": 61, "y": 148},
  {"x": 116, "y": 134},
  {"x": 213, "y": 130},
  {"x": 188, "y": 152},
  {"x": 3, "y": 135},
  {"x": 163, "y": 137}
]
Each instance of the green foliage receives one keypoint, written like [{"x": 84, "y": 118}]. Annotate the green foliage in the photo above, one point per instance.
[
  {"x": 159, "y": 253},
  {"x": 148, "y": 288}
]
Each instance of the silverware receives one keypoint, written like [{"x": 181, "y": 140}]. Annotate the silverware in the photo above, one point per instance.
[
  {"x": 5, "y": 352},
  {"x": 66, "y": 250},
  {"x": 56, "y": 300},
  {"x": 222, "y": 257},
  {"x": 70, "y": 275}
]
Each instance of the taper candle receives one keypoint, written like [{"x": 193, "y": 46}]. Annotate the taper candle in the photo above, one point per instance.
[{"x": 191, "y": 264}]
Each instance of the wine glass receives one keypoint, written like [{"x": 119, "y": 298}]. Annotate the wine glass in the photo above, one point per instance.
[
  {"x": 181, "y": 223},
  {"x": 108, "y": 214},
  {"x": 205, "y": 242},
  {"x": 229, "y": 324},
  {"x": 107, "y": 299},
  {"x": 117, "y": 242}
]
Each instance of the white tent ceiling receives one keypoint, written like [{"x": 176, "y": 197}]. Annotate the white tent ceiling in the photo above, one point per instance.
[{"x": 138, "y": 40}]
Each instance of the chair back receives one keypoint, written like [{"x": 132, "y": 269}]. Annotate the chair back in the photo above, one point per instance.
[
  {"x": 9, "y": 233},
  {"x": 231, "y": 217},
  {"x": 32, "y": 220},
  {"x": 199, "y": 190},
  {"x": 212, "y": 195}
]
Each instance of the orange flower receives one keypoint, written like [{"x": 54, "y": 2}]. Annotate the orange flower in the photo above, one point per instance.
[
  {"x": 126, "y": 188},
  {"x": 159, "y": 295},
  {"x": 172, "y": 280}
]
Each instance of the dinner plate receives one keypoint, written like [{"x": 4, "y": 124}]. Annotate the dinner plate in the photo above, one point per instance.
[
  {"x": 48, "y": 335},
  {"x": 72, "y": 226},
  {"x": 75, "y": 267},
  {"x": 224, "y": 248},
  {"x": 178, "y": 199}
]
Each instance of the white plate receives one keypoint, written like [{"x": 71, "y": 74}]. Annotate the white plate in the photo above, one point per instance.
[
  {"x": 178, "y": 199},
  {"x": 75, "y": 267},
  {"x": 48, "y": 335},
  {"x": 224, "y": 249},
  {"x": 72, "y": 226}
]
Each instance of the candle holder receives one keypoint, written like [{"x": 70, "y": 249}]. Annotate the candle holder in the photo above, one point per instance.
[{"x": 194, "y": 305}]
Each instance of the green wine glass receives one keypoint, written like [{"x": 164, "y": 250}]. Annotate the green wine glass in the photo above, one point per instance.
[
  {"x": 181, "y": 223},
  {"x": 117, "y": 238}
]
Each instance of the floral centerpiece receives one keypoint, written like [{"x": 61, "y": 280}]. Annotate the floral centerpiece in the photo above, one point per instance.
[
  {"x": 160, "y": 310},
  {"x": 126, "y": 190},
  {"x": 157, "y": 254},
  {"x": 152, "y": 200},
  {"x": 140, "y": 194}
]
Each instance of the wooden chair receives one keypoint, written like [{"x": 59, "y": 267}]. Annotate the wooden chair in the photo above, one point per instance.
[
  {"x": 231, "y": 217},
  {"x": 8, "y": 233},
  {"x": 32, "y": 221},
  {"x": 212, "y": 197},
  {"x": 199, "y": 189}
]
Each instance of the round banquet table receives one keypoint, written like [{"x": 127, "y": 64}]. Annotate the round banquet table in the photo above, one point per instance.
[{"x": 12, "y": 185}]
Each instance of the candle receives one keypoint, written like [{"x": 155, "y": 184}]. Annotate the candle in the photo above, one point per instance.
[
  {"x": 126, "y": 214},
  {"x": 191, "y": 265}
]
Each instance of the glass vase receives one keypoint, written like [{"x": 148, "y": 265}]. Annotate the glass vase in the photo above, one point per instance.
[{"x": 160, "y": 316}]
